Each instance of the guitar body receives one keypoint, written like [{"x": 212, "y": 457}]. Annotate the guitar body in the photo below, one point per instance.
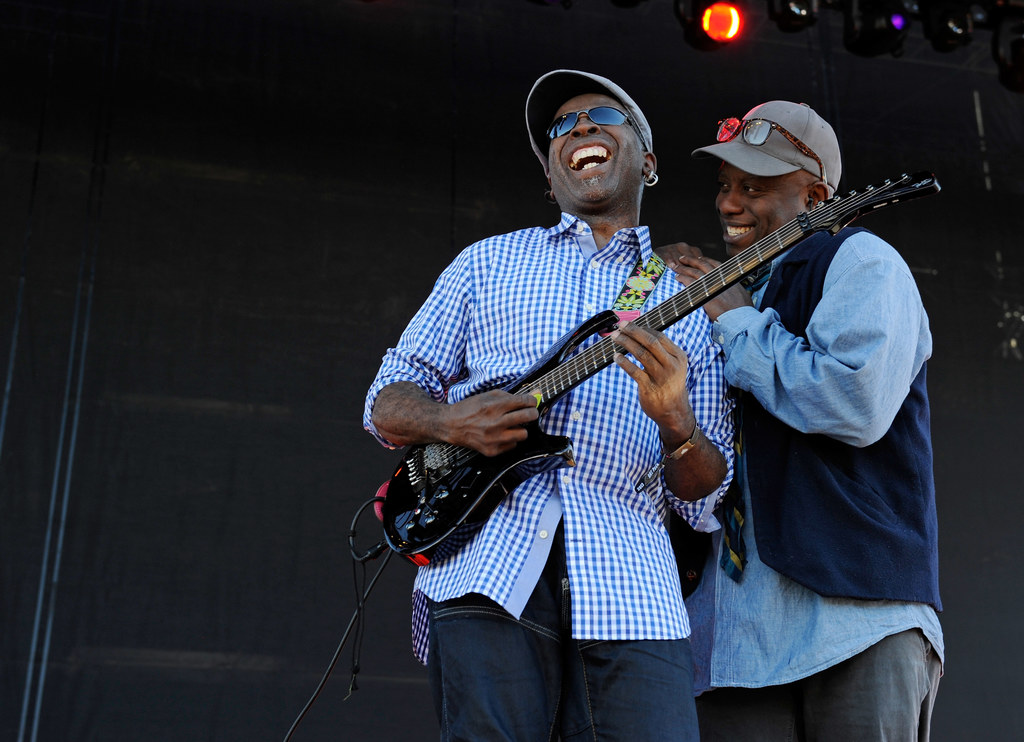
[
  {"x": 438, "y": 487},
  {"x": 425, "y": 504}
]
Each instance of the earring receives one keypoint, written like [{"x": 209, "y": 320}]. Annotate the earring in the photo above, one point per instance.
[
  {"x": 550, "y": 197},
  {"x": 650, "y": 179}
]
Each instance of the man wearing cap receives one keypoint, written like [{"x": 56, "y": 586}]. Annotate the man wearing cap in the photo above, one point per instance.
[
  {"x": 816, "y": 615},
  {"x": 561, "y": 614}
]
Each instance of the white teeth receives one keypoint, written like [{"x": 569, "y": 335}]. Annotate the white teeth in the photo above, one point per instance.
[
  {"x": 737, "y": 231},
  {"x": 587, "y": 152}
]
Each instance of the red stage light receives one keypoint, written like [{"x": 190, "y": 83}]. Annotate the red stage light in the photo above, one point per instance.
[
  {"x": 722, "y": 22},
  {"x": 710, "y": 24}
]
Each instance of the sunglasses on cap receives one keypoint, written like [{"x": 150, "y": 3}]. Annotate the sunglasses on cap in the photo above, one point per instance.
[
  {"x": 600, "y": 115},
  {"x": 755, "y": 133}
]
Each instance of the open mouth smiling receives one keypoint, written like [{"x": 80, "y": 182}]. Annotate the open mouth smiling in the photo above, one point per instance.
[{"x": 587, "y": 157}]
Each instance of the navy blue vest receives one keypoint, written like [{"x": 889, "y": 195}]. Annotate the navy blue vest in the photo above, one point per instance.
[{"x": 841, "y": 520}]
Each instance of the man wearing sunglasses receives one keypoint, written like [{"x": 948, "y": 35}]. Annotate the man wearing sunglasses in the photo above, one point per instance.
[
  {"x": 816, "y": 615},
  {"x": 560, "y": 616}
]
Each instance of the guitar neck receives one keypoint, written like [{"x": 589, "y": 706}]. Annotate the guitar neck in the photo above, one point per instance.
[
  {"x": 831, "y": 215},
  {"x": 602, "y": 353},
  {"x": 725, "y": 275}
]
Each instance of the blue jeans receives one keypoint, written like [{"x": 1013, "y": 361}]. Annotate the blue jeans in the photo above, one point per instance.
[
  {"x": 884, "y": 694},
  {"x": 494, "y": 678}
]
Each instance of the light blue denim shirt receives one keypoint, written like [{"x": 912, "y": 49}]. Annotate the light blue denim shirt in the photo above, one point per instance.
[{"x": 866, "y": 341}]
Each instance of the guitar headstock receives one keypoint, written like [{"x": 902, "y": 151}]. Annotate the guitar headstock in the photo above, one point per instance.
[{"x": 839, "y": 211}]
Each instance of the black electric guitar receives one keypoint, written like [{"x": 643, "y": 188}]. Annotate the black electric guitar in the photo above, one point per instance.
[{"x": 439, "y": 486}]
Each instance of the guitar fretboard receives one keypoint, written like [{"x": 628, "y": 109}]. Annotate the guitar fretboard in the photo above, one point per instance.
[
  {"x": 830, "y": 215},
  {"x": 602, "y": 353}
]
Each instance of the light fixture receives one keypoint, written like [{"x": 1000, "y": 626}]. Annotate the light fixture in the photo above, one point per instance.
[
  {"x": 793, "y": 15},
  {"x": 1008, "y": 48},
  {"x": 708, "y": 24},
  {"x": 873, "y": 27},
  {"x": 948, "y": 24}
]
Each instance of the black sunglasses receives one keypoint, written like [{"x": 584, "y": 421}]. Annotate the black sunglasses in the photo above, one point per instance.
[{"x": 600, "y": 115}]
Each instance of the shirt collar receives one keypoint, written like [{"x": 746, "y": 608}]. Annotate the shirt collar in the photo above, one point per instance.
[{"x": 632, "y": 237}]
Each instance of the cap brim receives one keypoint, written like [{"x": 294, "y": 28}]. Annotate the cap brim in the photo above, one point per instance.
[{"x": 747, "y": 159}]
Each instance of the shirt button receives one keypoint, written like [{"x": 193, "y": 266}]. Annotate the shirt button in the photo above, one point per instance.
[
  {"x": 577, "y": 415},
  {"x": 720, "y": 339},
  {"x": 590, "y": 308},
  {"x": 543, "y": 534},
  {"x": 565, "y": 478}
]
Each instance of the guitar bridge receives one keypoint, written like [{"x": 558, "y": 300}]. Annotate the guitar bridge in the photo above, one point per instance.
[{"x": 414, "y": 472}]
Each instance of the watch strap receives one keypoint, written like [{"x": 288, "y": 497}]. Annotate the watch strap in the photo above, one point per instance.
[{"x": 690, "y": 443}]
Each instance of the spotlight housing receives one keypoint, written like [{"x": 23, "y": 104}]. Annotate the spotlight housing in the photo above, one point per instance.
[
  {"x": 947, "y": 24},
  {"x": 709, "y": 24},
  {"x": 873, "y": 27},
  {"x": 793, "y": 15},
  {"x": 1008, "y": 48}
]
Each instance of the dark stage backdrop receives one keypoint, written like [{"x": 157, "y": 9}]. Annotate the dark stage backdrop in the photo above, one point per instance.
[{"x": 215, "y": 215}]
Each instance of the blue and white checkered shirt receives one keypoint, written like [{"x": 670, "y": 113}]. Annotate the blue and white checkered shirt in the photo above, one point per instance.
[{"x": 491, "y": 316}]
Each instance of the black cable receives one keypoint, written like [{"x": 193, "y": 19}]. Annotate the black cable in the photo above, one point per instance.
[
  {"x": 374, "y": 551},
  {"x": 360, "y": 627},
  {"x": 371, "y": 553}
]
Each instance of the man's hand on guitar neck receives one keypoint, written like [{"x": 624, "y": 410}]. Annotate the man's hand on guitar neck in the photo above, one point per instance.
[
  {"x": 689, "y": 264},
  {"x": 490, "y": 423}
]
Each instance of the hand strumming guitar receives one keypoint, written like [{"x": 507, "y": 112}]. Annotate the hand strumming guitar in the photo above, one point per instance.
[{"x": 491, "y": 422}]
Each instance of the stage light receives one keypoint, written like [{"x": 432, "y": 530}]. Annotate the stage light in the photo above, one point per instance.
[
  {"x": 793, "y": 15},
  {"x": 873, "y": 27},
  {"x": 1008, "y": 48},
  {"x": 708, "y": 25},
  {"x": 721, "y": 21},
  {"x": 948, "y": 25}
]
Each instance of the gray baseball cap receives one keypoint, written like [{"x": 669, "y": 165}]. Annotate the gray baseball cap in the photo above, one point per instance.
[
  {"x": 556, "y": 87},
  {"x": 777, "y": 155}
]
